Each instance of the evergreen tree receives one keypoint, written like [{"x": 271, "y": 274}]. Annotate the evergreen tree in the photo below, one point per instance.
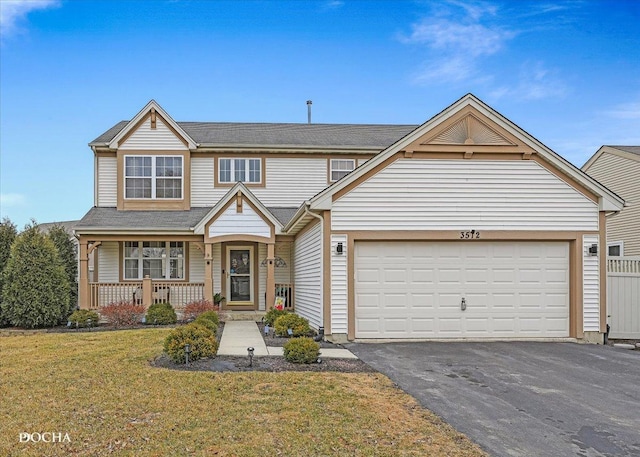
[
  {"x": 35, "y": 286},
  {"x": 68, "y": 255},
  {"x": 8, "y": 233}
]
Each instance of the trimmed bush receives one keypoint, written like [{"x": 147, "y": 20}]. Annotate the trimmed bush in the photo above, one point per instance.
[
  {"x": 161, "y": 314},
  {"x": 201, "y": 340},
  {"x": 195, "y": 308},
  {"x": 206, "y": 323},
  {"x": 35, "y": 290},
  {"x": 301, "y": 350},
  {"x": 84, "y": 318},
  {"x": 298, "y": 325},
  {"x": 122, "y": 313},
  {"x": 273, "y": 314}
]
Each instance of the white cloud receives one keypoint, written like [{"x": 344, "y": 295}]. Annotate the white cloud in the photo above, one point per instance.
[
  {"x": 12, "y": 200},
  {"x": 535, "y": 82},
  {"x": 12, "y": 11},
  {"x": 457, "y": 42},
  {"x": 629, "y": 110}
]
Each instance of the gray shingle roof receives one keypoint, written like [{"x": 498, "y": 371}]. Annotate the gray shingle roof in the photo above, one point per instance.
[
  {"x": 375, "y": 136},
  {"x": 631, "y": 149},
  {"x": 111, "y": 218},
  {"x": 283, "y": 215},
  {"x": 67, "y": 225}
]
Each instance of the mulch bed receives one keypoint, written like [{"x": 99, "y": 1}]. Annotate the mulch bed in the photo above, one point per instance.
[{"x": 268, "y": 363}]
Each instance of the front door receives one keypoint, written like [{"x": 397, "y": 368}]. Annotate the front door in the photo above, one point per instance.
[{"x": 240, "y": 276}]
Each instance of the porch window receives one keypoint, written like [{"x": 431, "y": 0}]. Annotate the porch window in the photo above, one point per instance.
[
  {"x": 157, "y": 259},
  {"x": 244, "y": 170},
  {"x": 153, "y": 177},
  {"x": 340, "y": 168}
]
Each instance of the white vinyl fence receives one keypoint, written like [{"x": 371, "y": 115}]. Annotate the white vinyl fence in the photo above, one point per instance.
[{"x": 623, "y": 297}]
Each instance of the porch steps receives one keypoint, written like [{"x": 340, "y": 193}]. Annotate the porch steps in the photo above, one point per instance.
[{"x": 255, "y": 316}]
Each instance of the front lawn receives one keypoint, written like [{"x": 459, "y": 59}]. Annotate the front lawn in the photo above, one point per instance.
[{"x": 100, "y": 389}]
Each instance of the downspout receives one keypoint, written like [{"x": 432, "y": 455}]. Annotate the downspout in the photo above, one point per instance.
[{"x": 321, "y": 219}]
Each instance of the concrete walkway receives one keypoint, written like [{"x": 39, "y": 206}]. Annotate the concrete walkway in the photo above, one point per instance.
[{"x": 237, "y": 336}]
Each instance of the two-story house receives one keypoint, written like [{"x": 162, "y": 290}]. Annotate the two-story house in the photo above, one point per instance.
[{"x": 462, "y": 227}]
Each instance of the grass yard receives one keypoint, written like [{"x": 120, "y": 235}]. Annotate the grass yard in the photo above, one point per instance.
[{"x": 101, "y": 390}]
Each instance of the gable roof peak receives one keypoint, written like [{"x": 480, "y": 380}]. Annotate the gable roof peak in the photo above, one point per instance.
[{"x": 152, "y": 108}]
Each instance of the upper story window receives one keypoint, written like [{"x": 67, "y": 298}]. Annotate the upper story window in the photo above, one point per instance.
[
  {"x": 339, "y": 168},
  {"x": 244, "y": 170},
  {"x": 153, "y": 177},
  {"x": 156, "y": 259}
]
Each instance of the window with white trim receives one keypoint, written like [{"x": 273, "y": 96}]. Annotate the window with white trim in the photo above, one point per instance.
[
  {"x": 157, "y": 259},
  {"x": 244, "y": 170},
  {"x": 339, "y": 168},
  {"x": 615, "y": 249},
  {"x": 153, "y": 177}
]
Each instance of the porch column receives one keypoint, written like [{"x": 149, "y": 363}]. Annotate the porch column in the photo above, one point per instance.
[
  {"x": 271, "y": 279},
  {"x": 83, "y": 287},
  {"x": 147, "y": 291},
  {"x": 208, "y": 272}
]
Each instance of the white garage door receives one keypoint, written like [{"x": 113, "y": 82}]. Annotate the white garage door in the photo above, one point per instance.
[{"x": 417, "y": 289}]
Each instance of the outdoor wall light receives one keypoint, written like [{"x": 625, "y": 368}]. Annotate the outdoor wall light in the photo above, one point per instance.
[
  {"x": 593, "y": 250},
  {"x": 339, "y": 248}
]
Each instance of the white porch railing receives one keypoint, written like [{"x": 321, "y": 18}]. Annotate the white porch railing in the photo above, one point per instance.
[
  {"x": 176, "y": 293},
  {"x": 285, "y": 291}
]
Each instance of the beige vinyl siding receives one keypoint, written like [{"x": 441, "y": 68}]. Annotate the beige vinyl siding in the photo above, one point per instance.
[
  {"x": 622, "y": 176},
  {"x": 289, "y": 181},
  {"x": 339, "y": 284},
  {"x": 108, "y": 262},
  {"x": 463, "y": 194},
  {"x": 283, "y": 274},
  {"x": 196, "y": 264},
  {"x": 160, "y": 138},
  {"x": 107, "y": 181},
  {"x": 591, "y": 285},
  {"x": 202, "y": 178},
  {"x": 307, "y": 257},
  {"x": 262, "y": 277}
]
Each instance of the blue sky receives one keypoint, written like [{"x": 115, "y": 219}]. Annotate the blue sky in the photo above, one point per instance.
[{"x": 567, "y": 72}]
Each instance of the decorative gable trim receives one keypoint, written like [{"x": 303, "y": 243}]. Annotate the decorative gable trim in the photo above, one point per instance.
[
  {"x": 470, "y": 130},
  {"x": 152, "y": 112},
  {"x": 240, "y": 203}
]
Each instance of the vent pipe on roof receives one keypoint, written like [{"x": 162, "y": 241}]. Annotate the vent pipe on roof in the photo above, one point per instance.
[{"x": 309, "y": 102}]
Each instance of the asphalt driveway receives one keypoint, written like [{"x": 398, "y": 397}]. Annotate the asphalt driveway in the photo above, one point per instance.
[{"x": 523, "y": 398}]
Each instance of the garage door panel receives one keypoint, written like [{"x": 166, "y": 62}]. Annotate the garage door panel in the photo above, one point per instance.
[
  {"x": 478, "y": 276},
  {"x": 414, "y": 289}
]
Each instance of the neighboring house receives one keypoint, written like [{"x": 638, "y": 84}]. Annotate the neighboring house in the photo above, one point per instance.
[
  {"x": 462, "y": 227},
  {"x": 618, "y": 168}
]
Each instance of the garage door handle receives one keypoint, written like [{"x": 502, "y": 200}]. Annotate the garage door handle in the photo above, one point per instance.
[{"x": 463, "y": 304}]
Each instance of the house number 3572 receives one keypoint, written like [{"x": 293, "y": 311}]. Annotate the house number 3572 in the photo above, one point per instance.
[{"x": 468, "y": 235}]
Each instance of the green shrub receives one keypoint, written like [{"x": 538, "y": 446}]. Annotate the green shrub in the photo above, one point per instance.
[
  {"x": 298, "y": 325},
  {"x": 161, "y": 314},
  {"x": 35, "y": 289},
  {"x": 208, "y": 319},
  {"x": 201, "y": 340},
  {"x": 84, "y": 318},
  {"x": 273, "y": 314},
  {"x": 301, "y": 350}
]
